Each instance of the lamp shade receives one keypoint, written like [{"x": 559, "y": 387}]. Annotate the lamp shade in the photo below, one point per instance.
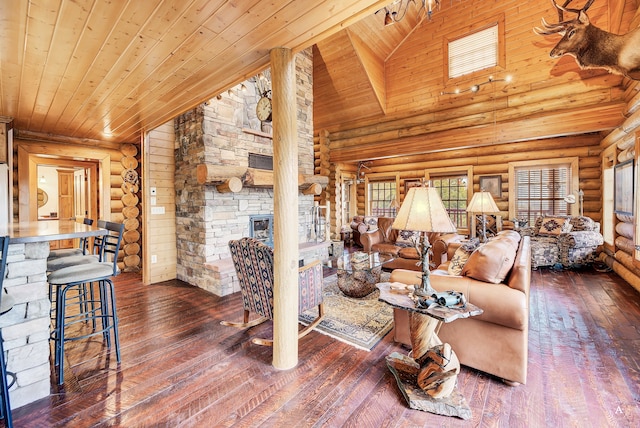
[
  {"x": 482, "y": 202},
  {"x": 422, "y": 210}
]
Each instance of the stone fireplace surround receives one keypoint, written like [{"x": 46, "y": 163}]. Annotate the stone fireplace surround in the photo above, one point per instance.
[{"x": 223, "y": 132}]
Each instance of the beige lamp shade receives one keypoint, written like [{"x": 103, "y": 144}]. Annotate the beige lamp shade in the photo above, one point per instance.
[
  {"x": 422, "y": 210},
  {"x": 482, "y": 202}
]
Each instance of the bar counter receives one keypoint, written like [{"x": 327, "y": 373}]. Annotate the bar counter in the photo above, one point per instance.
[{"x": 26, "y": 327}]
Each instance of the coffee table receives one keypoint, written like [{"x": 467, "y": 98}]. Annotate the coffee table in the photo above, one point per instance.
[{"x": 358, "y": 278}]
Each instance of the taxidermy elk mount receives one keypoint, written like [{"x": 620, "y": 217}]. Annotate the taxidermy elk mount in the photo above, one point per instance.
[{"x": 591, "y": 46}]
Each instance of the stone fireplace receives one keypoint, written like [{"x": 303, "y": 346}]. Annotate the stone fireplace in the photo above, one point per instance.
[{"x": 224, "y": 131}]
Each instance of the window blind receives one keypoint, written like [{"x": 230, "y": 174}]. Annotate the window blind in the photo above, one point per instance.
[
  {"x": 474, "y": 52},
  {"x": 541, "y": 191}
]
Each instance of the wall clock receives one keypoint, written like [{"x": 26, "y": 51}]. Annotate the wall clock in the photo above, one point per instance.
[{"x": 263, "y": 109}]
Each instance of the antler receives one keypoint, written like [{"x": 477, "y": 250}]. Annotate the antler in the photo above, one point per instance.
[{"x": 561, "y": 25}]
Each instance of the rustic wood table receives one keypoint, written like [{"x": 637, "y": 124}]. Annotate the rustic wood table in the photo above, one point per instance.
[{"x": 428, "y": 377}]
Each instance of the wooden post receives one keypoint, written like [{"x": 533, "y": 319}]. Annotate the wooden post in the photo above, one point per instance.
[{"x": 285, "y": 204}]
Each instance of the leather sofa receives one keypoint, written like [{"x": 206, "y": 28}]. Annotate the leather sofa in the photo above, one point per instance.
[
  {"x": 400, "y": 244},
  {"x": 495, "y": 342},
  {"x": 358, "y": 227}
]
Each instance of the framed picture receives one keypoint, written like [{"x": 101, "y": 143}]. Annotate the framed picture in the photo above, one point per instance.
[
  {"x": 411, "y": 182},
  {"x": 492, "y": 184},
  {"x": 623, "y": 188}
]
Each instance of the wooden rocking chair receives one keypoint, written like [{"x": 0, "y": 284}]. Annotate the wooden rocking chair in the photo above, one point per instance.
[{"x": 253, "y": 262}]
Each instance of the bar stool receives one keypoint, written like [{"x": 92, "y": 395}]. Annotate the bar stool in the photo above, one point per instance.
[
  {"x": 82, "y": 247},
  {"x": 6, "y": 303},
  {"x": 99, "y": 309},
  {"x": 66, "y": 257},
  {"x": 60, "y": 261}
]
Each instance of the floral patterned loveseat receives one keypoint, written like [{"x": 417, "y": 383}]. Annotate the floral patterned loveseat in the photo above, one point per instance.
[{"x": 563, "y": 241}]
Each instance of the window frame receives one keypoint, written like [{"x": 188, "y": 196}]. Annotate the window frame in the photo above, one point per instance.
[
  {"x": 498, "y": 20},
  {"x": 574, "y": 181},
  {"x": 377, "y": 177},
  {"x": 450, "y": 171}
]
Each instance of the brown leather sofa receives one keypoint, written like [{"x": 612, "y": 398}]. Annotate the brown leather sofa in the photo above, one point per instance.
[
  {"x": 495, "y": 342},
  {"x": 390, "y": 241}
]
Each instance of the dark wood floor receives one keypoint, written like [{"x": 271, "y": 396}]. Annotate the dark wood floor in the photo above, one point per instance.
[{"x": 180, "y": 367}]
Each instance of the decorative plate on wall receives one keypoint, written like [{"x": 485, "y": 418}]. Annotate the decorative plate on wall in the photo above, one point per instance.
[{"x": 43, "y": 198}]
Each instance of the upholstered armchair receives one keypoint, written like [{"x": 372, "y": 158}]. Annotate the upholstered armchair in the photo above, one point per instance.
[
  {"x": 563, "y": 241},
  {"x": 253, "y": 262}
]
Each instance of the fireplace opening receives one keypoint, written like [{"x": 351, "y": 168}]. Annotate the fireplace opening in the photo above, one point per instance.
[{"x": 261, "y": 228}]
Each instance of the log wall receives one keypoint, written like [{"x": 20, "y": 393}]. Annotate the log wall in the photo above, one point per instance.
[{"x": 495, "y": 160}]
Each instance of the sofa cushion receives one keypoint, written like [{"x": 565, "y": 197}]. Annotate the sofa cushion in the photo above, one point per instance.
[
  {"x": 408, "y": 253},
  {"x": 491, "y": 261},
  {"x": 554, "y": 226},
  {"x": 407, "y": 238},
  {"x": 386, "y": 249}
]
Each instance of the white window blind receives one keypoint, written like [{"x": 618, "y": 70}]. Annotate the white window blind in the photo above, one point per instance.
[
  {"x": 541, "y": 191},
  {"x": 474, "y": 52}
]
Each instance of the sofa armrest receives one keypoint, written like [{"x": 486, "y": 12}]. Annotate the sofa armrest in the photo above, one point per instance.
[
  {"x": 580, "y": 239},
  {"x": 440, "y": 247},
  {"x": 370, "y": 238}
]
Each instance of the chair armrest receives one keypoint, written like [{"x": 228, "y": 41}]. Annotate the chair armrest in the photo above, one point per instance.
[
  {"x": 527, "y": 231},
  {"x": 580, "y": 239},
  {"x": 370, "y": 238}
]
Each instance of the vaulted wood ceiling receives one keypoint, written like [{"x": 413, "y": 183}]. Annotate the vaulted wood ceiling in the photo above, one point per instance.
[
  {"x": 374, "y": 100},
  {"x": 104, "y": 70}
]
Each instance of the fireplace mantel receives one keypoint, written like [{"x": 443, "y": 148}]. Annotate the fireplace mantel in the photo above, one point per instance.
[{"x": 208, "y": 173}]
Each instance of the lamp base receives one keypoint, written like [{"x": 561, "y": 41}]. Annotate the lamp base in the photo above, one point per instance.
[{"x": 425, "y": 289}]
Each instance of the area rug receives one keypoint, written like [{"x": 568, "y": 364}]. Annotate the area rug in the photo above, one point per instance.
[{"x": 361, "y": 323}]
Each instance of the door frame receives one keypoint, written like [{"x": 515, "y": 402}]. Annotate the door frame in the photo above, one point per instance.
[{"x": 30, "y": 155}]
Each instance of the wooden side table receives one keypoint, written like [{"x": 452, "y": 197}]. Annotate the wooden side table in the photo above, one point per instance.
[{"x": 428, "y": 377}]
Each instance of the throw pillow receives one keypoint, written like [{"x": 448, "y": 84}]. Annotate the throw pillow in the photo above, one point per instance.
[
  {"x": 407, "y": 238},
  {"x": 371, "y": 222},
  {"x": 554, "y": 226},
  {"x": 460, "y": 257},
  {"x": 491, "y": 262}
]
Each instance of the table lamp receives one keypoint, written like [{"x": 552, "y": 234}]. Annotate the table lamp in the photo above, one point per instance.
[
  {"x": 482, "y": 203},
  {"x": 422, "y": 210}
]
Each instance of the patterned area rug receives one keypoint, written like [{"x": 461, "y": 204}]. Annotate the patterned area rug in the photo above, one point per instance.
[{"x": 359, "y": 322}]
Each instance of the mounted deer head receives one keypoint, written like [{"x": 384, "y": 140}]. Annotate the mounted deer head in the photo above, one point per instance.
[{"x": 591, "y": 46}]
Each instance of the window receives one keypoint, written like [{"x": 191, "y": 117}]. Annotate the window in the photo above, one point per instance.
[
  {"x": 473, "y": 52},
  {"x": 540, "y": 190},
  {"x": 381, "y": 195},
  {"x": 453, "y": 192}
]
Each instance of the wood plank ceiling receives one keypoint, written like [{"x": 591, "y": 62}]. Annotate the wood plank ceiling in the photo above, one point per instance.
[{"x": 105, "y": 70}]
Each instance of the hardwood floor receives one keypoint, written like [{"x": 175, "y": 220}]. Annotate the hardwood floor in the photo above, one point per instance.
[{"x": 180, "y": 367}]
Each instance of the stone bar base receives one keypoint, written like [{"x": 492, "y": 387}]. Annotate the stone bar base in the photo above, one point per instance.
[
  {"x": 222, "y": 279},
  {"x": 25, "y": 328}
]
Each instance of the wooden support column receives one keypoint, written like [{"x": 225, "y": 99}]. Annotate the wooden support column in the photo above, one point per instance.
[{"x": 285, "y": 218}]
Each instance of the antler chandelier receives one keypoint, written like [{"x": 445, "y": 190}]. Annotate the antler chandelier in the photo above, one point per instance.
[{"x": 397, "y": 10}]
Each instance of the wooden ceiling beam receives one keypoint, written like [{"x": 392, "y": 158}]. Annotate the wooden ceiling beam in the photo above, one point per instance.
[{"x": 595, "y": 118}]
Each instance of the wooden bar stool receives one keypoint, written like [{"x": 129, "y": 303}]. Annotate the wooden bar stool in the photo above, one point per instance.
[{"x": 93, "y": 282}]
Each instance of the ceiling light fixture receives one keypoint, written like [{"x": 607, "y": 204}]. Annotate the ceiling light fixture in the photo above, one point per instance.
[
  {"x": 476, "y": 87},
  {"x": 397, "y": 10}
]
